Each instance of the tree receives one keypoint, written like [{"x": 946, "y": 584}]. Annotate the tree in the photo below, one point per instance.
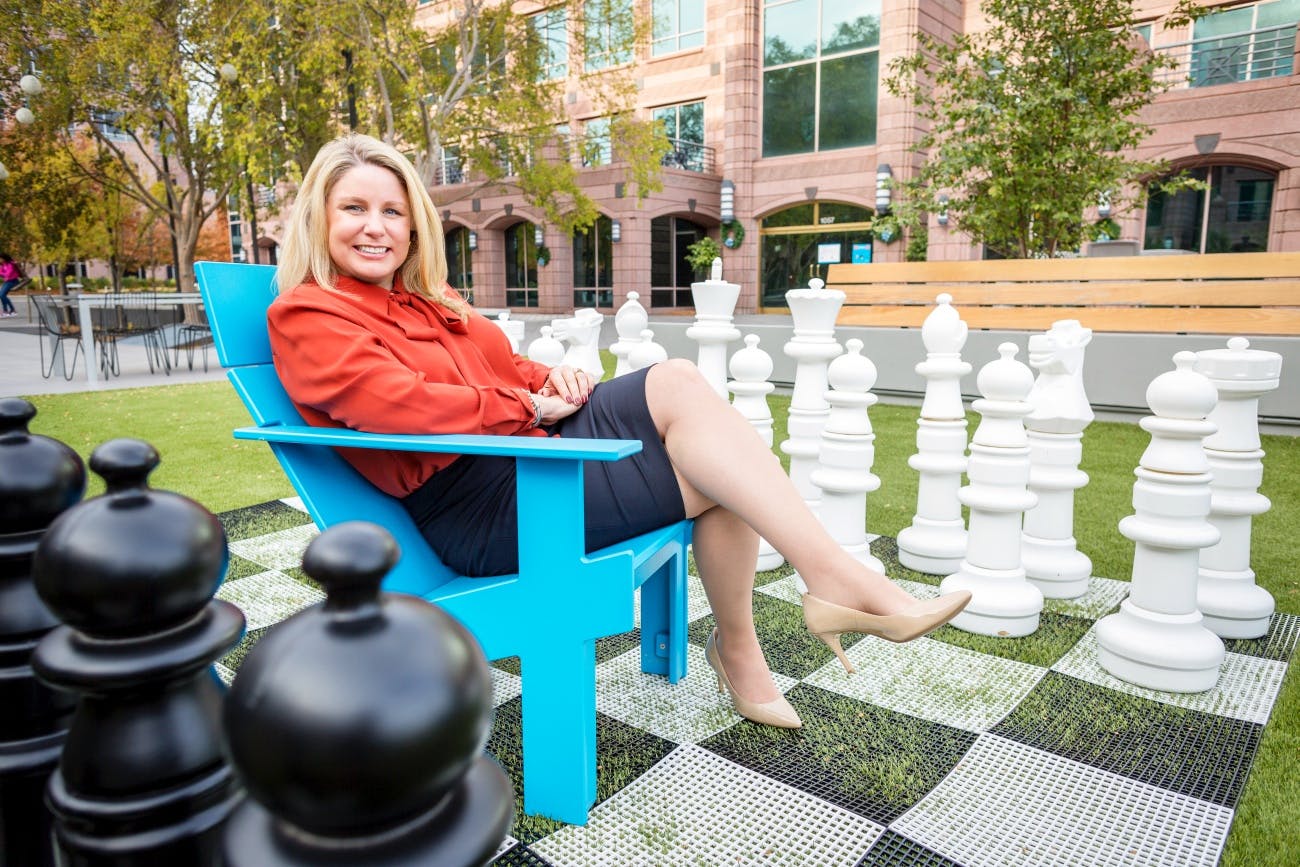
[{"x": 1032, "y": 121}]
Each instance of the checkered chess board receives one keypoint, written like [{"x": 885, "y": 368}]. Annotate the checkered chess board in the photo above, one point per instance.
[{"x": 934, "y": 753}]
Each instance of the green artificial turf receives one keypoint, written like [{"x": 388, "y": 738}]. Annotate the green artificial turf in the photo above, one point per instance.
[{"x": 190, "y": 426}]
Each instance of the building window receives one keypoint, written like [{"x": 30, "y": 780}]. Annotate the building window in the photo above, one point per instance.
[
  {"x": 610, "y": 30},
  {"x": 678, "y": 24},
  {"x": 1244, "y": 43},
  {"x": 593, "y": 265},
  {"x": 800, "y": 243},
  {"x": 460, "y": 263},
  {"x": 821, "y": 74},
  {"x": 596, "y": 148},
  {"x": 521, "y": 265},
  {"x": 1230, "y": 216},
  {"x": 670, "y": 276},
  {"x": 551, "y": 30},
  {"x": 684, "y": 126}
]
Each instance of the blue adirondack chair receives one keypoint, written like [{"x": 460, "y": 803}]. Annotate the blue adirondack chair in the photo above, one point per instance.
[{"x": 549, "y": 614}]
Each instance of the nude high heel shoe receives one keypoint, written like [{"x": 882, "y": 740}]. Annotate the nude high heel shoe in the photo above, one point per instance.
[
  {"x": 777, "y": 712},
  {"x": 826, "y": 620}
]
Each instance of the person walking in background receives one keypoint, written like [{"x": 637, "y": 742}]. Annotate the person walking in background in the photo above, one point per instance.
[{"x": 10, "y": 276}]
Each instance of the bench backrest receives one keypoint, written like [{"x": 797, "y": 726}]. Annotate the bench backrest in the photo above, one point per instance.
[
  {"x": 1228, "y": 293},
  {"x": 236, "y": 298}
]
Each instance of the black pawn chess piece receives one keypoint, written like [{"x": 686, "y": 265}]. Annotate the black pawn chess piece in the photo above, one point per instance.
[
  {"x": 40, "y": 478},
  {"x": 143, "y": 779},
  {"x": 358, "y": 727}
]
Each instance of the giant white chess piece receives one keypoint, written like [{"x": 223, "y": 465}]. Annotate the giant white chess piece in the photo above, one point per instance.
[
  {"x": 1233, "y": 605},
  {"x": 1003, "y": 602},
  {"x": 582, "y": 332},
  {"x": 1055, "y": 426},
  {"x": 630, "y": 320},
  {"x": 812, "y": 347},
  {"x": 751, "y": 368},
  {"x": 1158, "y": 638},
  {"x": 847, "y": 452},
  {"x": 715, "y": 305},
  {"x": 546, "y": 349},
  {"x": 936, "y": 540},
  {"x": 513, "y": 328},
  {"x": 647, "y": 352}
]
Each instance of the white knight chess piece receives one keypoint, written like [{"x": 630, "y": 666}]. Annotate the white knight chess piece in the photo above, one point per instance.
[{"x": 582, "y": 332}]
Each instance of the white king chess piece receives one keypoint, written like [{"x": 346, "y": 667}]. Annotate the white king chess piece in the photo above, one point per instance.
[
  {"x": 936, "y": 540},
  {"x": 630, "y": 320},
  {"x": 715, "y": 305},
  {"x": 1055, "y": 426},
  {"x": 1233, "y": 605},
  {"x": 751, "y": 368},
  {"x": 1003, "y": 602},
  {"x": 1158, "y": 638}
]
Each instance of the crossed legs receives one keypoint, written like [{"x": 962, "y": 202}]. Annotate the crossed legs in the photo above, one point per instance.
[{"x": 736, "y": 490}]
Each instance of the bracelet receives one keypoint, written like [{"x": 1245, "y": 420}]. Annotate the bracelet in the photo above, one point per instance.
[{"x": 537, "y": 410}]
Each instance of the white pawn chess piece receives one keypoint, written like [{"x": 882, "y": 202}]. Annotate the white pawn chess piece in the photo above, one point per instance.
[
  {"x": 812, "y": 347},
  {"x": 1055, "y": 426},
  {"x": 630, "y": 320},
  {"x": 513, "y": 328},
  {"x": 847, "y": 452},
  {"x": 750, "y": 369},
  {"x": 1003, "y": 602},
  {"x": 582, "y": 332},
  {"x": 715, "y": 305},
  {"x": 647, "y": 352},
  {"x": 936, "y": 540},
  {"x": 1233, "y": 605},
  {"x": 1158, "y": 638},
  {"x": 546, "y": 349}
]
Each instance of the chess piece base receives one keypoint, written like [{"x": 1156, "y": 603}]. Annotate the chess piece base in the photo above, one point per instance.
[
  {"x": 1055, "y": 566},
  {"x": 932, "y": 547},
  {"x": 1169, "y": 652},
  {"x": 1003, "y": 604},
  {"x": 1233, "y": 606}
]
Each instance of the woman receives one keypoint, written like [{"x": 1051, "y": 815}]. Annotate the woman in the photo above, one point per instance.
[
  {"x": 10, "y": 276},
  {"x": 366, "y": 334}
]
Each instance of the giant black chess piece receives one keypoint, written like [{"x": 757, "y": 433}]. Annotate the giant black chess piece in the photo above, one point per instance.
[
  {"x": 143, "y": 780},
  {"x": 358, "y": 726},
  {"x": 40, "y": 478}
]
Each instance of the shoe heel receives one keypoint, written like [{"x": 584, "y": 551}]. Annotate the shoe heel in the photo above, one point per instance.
[{"x": 832, "y": 640}]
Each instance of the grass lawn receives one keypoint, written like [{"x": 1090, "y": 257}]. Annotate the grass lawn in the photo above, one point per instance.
[{"x": 190, "y": 425}]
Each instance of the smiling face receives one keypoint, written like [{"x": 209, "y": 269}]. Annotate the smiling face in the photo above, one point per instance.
[{"x": 368, "y": 218}]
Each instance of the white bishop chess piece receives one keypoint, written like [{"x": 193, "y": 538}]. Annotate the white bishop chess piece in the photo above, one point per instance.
[
  {"x": 630, "y": 320},
  {"x": 751, "y": 369}
]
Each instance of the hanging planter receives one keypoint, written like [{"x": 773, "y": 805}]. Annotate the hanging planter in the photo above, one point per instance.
[
  {"x": 733, "y": 233},
  {"x": 543, "y": 256}
]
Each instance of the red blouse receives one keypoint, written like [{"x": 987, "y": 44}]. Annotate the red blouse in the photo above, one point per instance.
[{"x": 370, "y": 359}]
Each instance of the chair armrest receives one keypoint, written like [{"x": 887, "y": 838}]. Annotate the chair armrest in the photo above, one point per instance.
[{"x": 558, "y": 448}]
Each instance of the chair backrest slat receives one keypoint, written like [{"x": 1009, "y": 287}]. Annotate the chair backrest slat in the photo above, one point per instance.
[{"x": 236, "y": 297}]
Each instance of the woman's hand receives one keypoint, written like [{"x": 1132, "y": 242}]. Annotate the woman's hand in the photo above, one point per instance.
[
  {"x": 569, "y": 384},
  {"x": 554, "y": 408}
]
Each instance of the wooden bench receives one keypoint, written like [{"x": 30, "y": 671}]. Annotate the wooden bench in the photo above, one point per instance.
[{"x": 1225, "y": 293}]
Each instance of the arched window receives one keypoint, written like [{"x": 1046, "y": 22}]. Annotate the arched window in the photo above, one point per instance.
[
  {"x": 1230, "y": 216},
  {"x": 460, "y": 263},
  {"x": 799, "y": 243},
  {"x": 593, "y": 265},
  {"x": 521, "y": 265},
  {"x": 670, "y": 276}
]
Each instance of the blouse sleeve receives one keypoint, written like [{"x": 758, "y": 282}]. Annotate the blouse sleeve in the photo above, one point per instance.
[{"x": 342, "y": 369}]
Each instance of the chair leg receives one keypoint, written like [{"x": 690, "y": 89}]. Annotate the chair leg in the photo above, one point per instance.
[{"x": 559, "y": 730}]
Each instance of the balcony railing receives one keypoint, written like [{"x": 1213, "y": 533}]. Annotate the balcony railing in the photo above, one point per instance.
[
  {"x": 586, "y": 152},
  {"x": 689, "y": 155},
  {"x": 1248, "y": 56}
]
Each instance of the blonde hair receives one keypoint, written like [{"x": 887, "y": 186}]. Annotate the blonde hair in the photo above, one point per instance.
[{"x": 305, "y": 252}]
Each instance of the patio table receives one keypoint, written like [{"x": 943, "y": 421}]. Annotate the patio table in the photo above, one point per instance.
[{"x": 86, "y": 301}]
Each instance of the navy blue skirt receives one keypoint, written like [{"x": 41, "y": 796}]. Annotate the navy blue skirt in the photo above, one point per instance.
[{"x": 467, "y": 511}]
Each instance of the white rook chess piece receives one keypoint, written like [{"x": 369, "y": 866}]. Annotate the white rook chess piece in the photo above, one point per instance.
[
  {"x": 936, "y": 540},
  {"x": 1003, "y": 602},
  {"x": 812, "y": 347},
  {"x": 847, "y": 452},
  {"x": 546, "y": 349},
  {"x": 1158, "y": 638},
  {"x": 1233, "y": 605},
  {"x": 647, "y": 352},
  {"x": 715, "y": 303},
  {"x": 1060, "y": 412},
  {"x": 582, "y": 332},
  {"x": 750, "y": 369},
  {"x": 514, "y": 329},
  {"x": 630, "y": 320}
]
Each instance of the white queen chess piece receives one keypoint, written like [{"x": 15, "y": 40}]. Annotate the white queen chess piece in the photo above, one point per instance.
[
  {"x": 936, "y": 540},
  {"x": 715, "y": 306},
  {"x": 1158, "y": 638},
  {"x": 1055, "y": 426},
  {"x": 1003, "y": 602},
  {"x": 751, "y": 369},
  {"x": 630, "y": 320},
  {"x": 1233, "y": 605}
]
